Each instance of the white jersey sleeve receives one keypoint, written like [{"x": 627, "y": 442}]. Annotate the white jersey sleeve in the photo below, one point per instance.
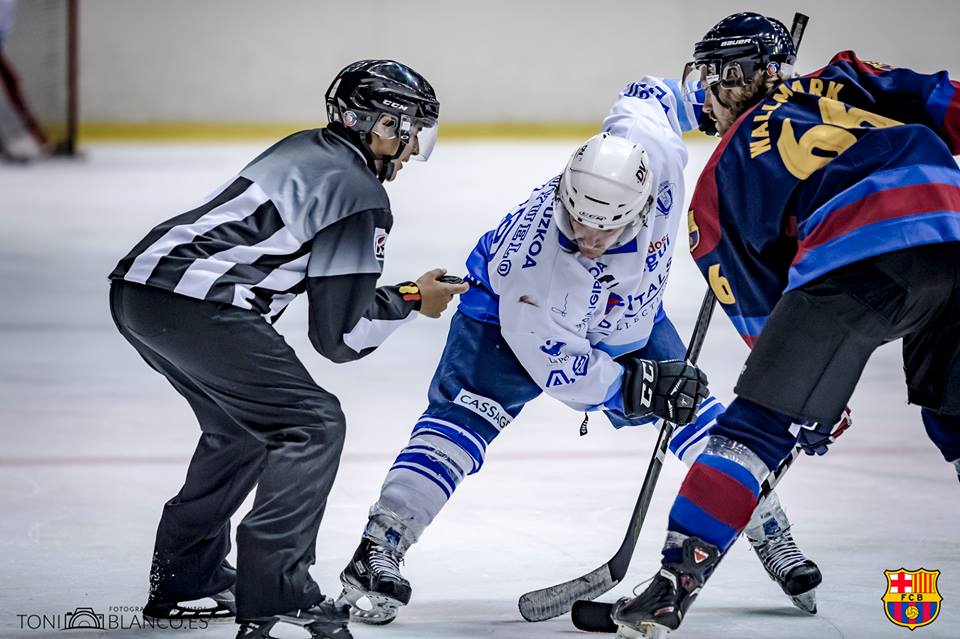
[
  {"x": 648, "y": 112},
  {"x": 650, "y": 97}
]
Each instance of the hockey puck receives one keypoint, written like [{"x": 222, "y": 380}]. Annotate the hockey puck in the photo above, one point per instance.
[
  {"x": 593, "y": 616},
  {"x": 450, "y": 279}
]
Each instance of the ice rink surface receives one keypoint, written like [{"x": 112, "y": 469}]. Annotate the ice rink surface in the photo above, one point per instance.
[{"x": 94, "y": 442}]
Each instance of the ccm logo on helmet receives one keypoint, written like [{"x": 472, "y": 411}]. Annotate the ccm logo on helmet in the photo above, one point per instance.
[
  {"x": 396, "y": 105},
  {"x": 590, "y": 216}
]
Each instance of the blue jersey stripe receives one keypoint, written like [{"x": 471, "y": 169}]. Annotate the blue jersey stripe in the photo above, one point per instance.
[
  {"x": 748, "y": 325},
  {"x": 875, "y": 239},
  {"x": 880, "y": 181}
]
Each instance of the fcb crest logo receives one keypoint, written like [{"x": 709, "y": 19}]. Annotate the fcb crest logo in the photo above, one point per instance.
[{"x": 912, "y": 599}]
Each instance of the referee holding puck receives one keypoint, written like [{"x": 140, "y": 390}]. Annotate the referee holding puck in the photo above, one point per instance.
[{"x": 197, "y": 298}]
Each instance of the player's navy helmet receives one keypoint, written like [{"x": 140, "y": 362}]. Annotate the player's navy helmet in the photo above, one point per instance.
[
  {"x": 365, "y": 91},
  {"x": 733, "y": 51}
]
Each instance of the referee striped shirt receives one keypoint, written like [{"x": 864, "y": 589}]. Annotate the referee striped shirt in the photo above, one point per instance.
[{"x": 251, "y": 243}]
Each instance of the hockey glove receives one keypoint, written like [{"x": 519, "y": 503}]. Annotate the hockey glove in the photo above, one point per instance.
[
  {"x": 815, "y": 438},
  {"x": 671, "y": 389}
]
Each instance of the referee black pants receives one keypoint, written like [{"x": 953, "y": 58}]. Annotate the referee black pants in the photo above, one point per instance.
[{"x": 264, "y": 421}]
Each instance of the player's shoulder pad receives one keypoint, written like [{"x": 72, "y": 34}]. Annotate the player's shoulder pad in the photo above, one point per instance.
[
  {"x": 862, "y": 66},
  {"x": 316, "y": 179}
]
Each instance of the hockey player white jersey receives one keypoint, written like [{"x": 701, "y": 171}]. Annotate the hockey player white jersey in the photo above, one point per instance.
[{"x": 566, "y": 317}]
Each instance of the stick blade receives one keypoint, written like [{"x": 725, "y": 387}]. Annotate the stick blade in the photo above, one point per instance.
[{"x": 547, "y": 603}]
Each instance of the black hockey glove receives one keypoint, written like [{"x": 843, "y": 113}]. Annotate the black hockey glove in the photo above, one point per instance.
[
  {"x": 815, "y": 438},
  {"x": 671, "y": 389}
]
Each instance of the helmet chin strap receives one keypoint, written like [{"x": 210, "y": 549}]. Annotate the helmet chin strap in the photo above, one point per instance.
[
  {"x": 715, "y": 90},
  {"x": 387, "y": 167},
  {"x": 386, "y": 170}
]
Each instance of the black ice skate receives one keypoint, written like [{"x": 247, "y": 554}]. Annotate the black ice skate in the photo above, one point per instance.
[
  {"x": 219, "y": 606},
  {"x": 661, "y": 607},
  {"x": 787, "y": 565},
  {"x": 325, "y": 620},
  {"x": 373, "y": 585}
]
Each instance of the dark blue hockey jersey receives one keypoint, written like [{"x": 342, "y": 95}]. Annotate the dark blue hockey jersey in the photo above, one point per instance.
[{"x": 851, "y": 161}]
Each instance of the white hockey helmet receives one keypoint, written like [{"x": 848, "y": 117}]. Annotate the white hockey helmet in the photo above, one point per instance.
[{"x": 607, "y": 184}]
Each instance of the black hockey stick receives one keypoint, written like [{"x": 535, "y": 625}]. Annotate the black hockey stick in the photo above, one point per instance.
[
  {"x": 547, "y": 603},
  {"x": 594, "y": 616}
]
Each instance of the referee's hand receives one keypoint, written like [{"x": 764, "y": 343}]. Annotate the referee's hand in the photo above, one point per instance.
[{"x": 435, "y": 295}]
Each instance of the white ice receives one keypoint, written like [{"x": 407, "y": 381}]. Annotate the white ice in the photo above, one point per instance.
[{"x": 94, "y": 442}]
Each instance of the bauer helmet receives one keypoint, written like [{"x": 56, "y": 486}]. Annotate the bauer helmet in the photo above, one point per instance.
[
  {"x": 365, "y": 91},
  {"x": 607, "y": 184},
  {"x": 730, "y": 55}
]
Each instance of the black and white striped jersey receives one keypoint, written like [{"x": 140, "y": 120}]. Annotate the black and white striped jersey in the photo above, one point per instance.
[
  {"x": 306, "y": 215},
  {"x": 250, "y": 244}
]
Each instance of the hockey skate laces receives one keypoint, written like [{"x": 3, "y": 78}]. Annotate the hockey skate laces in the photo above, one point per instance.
[
  {"x": 782, "y": 553},
  {"x": 384, "y": 561},
  {"x": 645, "y": 581}
]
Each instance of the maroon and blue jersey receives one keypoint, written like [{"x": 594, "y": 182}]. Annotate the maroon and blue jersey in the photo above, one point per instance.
[{"x": 851, "y": 161}]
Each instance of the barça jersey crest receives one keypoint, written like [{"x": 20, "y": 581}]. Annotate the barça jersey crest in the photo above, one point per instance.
[{"x": 912, "y": 599}]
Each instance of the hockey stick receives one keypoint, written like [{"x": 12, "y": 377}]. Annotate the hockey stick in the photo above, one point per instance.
[
  {"x": 547, "y": 603},
  {"x": 594, "y": 616}
]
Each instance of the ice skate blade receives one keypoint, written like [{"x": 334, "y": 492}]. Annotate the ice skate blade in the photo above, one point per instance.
[
  {"x": 806, "y": 602},
  {"x": 291, "y": 628},
  {"x": 643, "y": 631},
  {"x": 369, "y": 608},
  {"x": 214, "y": 608}
]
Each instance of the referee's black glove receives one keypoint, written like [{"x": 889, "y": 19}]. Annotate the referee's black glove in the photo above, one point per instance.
[{"x": 672, "y": 389}]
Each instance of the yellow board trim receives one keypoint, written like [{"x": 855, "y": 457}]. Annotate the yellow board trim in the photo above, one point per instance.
[{"x": 243, "y": 131}]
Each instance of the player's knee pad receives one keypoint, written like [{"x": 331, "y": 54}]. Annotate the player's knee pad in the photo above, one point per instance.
[
  {"x": 719, "y": 494},
  {"x": 944, "y": 431},
  {"x": 765, "y": 432},
  {"x": 690, "y": 440}
]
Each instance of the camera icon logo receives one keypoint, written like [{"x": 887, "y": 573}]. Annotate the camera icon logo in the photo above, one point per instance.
[{"x": 83, "y": 619}]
